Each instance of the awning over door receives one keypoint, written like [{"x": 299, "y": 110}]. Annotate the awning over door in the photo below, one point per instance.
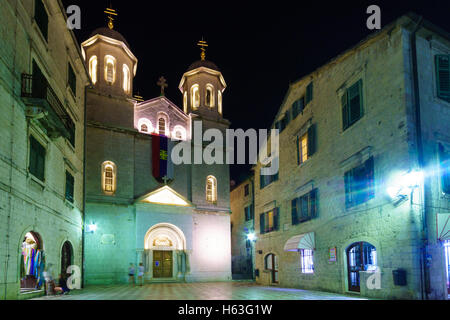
[
  {"x": 443, "y": 226},
  {"x": 302, "y": 241}
]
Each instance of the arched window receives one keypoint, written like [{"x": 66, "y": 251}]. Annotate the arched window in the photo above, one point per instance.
[
  {"x": 179, "y": 133},
  {"x": 162, "y": 126},
  {"x": 211, "y": 189},
  {"x": 109, "y": 180},
  {"x": 144, "y": 125},
  {"x": 219, "y": 101},
  {"x": 209, "y": 97},
  {"x": 185, "y": 102},
  {"x": 126, "y": 79},
  {"x": 110, "y": 69},
  {"x": 195, "y": 96},
  {"x": 93, "y": 68}
]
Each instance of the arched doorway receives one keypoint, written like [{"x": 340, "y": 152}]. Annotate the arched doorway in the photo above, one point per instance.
[
  {"x": 66, "y": 257},
  {"x": 32, "y": 262},
  {"x": 361, "y": 256},
  {"x": 271, "y": 264},
  {"x": 164, "y": 246}
]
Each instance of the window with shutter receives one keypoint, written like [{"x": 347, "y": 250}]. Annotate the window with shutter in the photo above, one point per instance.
[
  {"x": 309, "y": 93},
  {"x": 37, "y": 159},
  {"x": 304, "y": 208},
  {"x": 360, "y": 184},
  {"x": 311, "y": 140},
  {"x": 70, "y": 182},
  {"x": 72, "y": 79},
  {"x": 443, "y": 76},
  {"x": 71, "y": 129},
  {"x": 352, "y": 104},
  {"x": 41, "y": 18}
]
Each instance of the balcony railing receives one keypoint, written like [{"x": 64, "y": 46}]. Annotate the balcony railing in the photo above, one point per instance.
[{"x": 44, "y": 105}]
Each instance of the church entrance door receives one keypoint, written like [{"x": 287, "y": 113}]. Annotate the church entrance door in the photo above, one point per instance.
[{"x": 162, "y": 264}]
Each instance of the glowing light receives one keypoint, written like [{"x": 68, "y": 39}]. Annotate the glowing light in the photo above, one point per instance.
[
  {"x": 251, "y": 237},
  {"x": 92, "y": 227},
  {"x": 404, "y": 184},
  {"x": 93, "y": 69},
  {"x": 126, "y": 79}
]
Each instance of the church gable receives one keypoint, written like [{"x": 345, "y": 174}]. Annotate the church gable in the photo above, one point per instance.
[
  {"x": 148, "y": 115},
  {"x": 165, "y": 196}
]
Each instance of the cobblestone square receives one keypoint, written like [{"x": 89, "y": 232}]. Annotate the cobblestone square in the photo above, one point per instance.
[{"x": 197, "y": 291}]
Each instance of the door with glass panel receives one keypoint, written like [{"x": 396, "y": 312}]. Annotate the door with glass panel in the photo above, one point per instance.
[
  {"x": 271, "y": 265},
  {"x": 361, "y": 256}
]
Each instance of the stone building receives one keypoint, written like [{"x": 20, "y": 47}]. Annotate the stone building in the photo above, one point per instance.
[
  {"x": 361, "y": 204},
  {"x": 177, "y": 224},
  {"x": 42, "y": 84},
  {"x": 242, "y": 230}
]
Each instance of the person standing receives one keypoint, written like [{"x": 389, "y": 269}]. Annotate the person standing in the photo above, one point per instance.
[
  {"x": 131, "y": 274},
  {"x": 141, "y": 274}
]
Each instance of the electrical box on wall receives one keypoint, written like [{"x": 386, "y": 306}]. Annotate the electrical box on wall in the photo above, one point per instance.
[{"x": 399, "y": 276}]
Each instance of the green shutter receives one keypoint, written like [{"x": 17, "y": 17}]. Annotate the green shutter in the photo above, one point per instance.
[
  {"x": 72, "y": 79},
  {"x": 309, "y": 93},
  {"x": 443, "y": 76},
  {"x": 294, "y": 211},
  {"x": 276, "y": 219},
  {"x": 69, "y": 186},
  {"x": 311, "y": 140},
  {"x": 348, "y": 178},
  {"x": 313, "y": 203},
  {"x": 261, "y": 223},
  {"x": 298, "y": 150},
  {"x": 344, "y": 110}
]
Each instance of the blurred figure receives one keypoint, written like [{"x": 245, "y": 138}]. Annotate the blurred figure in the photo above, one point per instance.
[
  {"x": 62, "y": 282},
  {"x": 141, "y": 274},
  {"x": 131, "y": 274}
]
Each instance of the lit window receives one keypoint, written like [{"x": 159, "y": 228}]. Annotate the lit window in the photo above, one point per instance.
[
  {"x": 109, "y": 177},
  {"x": 209, "y": 95},
  {"x": 211, "y": 189},
  {"x": 306, "y": 145},
  {"x": 307, "y": 260},
  {"x": 195, "y": 96},
  {"x": 162, "y": 126},
  {"x": 269, "y": 221},
  {"x": 110, "y": 69},
  {"x": 144, "y": 128},
  {"x": 219, "y": 101},
  {"x": 185, "y": 102},
  {"x": 126, "y": 79},
  {"x": 93, "y": 69}
]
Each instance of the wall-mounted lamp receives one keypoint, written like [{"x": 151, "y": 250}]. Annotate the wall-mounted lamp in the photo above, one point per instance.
[
  {"x": 403, "y": 185},
  {"x": 251, "y": 237}
]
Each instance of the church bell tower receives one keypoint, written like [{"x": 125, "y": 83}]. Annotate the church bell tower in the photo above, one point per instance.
[{"x": 202, "y": 86}]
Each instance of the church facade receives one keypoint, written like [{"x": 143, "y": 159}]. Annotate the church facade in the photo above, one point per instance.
[{"x": 174, "y": 219}]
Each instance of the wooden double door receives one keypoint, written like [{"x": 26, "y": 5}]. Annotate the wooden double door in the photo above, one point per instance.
[{"x": 162, "y": 264}]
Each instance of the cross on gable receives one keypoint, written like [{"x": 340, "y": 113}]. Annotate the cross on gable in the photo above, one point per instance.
[{"x": 162, "y": 82}]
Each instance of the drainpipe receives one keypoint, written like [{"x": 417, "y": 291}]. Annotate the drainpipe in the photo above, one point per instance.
[{"x": 425, "y": 279}]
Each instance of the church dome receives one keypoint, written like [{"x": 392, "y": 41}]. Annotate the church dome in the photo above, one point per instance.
[
  {"x": 203, "y": 63},
  {"x": 110, "y": 33}
]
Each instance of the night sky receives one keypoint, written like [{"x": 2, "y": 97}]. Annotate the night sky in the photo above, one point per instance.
[{"x": 260, "y": 47}]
